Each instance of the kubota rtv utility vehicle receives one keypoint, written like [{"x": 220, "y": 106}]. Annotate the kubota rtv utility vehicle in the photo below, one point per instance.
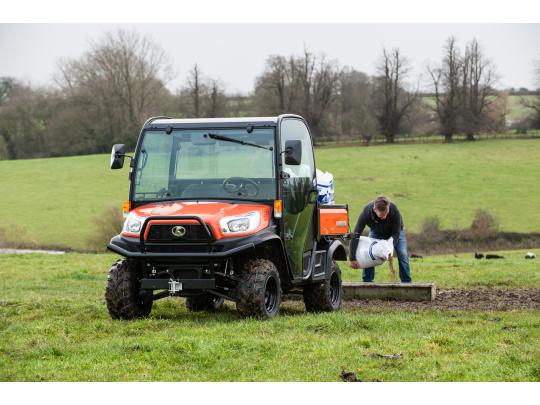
[{"x": 225, "y": 208}]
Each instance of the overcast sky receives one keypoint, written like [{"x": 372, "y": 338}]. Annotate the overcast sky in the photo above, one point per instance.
[{"x": 235, "y": 53}]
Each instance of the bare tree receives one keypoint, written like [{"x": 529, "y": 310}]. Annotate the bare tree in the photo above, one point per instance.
[
  {"x": 323, "y": 91},
  {"x": 356, "y": 105},
  {"x": 119, "y": 83},
  {"x": 533, "y": 103},
  {"x": 25, "y": 116},
  {"x": 195, "y": 89},
  {"x": 202, "y": 96},
  {"x": 306, "y": 85},
  {"x": 8, "y": 88},
  {"x": 446, "y": 84},
  {"x": 216, "y": 100},
  {"x": 494, "y": 117},
  {"x": 477, "y": 79},
  {"x": 394, "y": 101},
  {"x": 277, "y": 89}
]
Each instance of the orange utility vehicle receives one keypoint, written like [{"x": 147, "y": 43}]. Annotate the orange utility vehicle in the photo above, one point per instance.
[{"x": 225, "y": 208}]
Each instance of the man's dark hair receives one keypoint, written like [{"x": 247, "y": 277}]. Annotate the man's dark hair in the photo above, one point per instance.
[{"x": 381, "y": 203}]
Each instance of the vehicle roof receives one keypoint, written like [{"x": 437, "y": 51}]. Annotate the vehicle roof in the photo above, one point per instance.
[{"x": 161, "y": 122}]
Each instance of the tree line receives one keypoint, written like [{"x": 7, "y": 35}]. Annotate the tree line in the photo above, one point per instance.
[{"x": 104, "y": 97}]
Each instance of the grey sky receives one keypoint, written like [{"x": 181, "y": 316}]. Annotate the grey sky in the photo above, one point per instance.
[{"x": 235, "y": 53}]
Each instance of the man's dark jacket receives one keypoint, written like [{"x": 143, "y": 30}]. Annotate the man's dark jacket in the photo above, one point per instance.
[{"x": 384, "y": 229}]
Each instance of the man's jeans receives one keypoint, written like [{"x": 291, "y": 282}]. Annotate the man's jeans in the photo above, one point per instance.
[{"x": 403, "y": 259}]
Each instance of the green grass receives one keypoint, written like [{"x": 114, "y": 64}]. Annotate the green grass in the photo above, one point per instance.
[
  {"x": 464, "y": 271},
  {"x": 54, "y": 327},
  {"x": 449, "y": 181},
  {"x": 54, "y": 201}
]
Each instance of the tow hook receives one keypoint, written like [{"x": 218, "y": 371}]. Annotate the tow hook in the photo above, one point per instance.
[{"x": 174, "y": 286}]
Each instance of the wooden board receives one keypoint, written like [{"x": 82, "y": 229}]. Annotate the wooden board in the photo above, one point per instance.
[{"x": 390, "y": 291}]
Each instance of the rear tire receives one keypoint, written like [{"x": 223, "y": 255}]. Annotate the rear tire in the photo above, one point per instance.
[
  {"x": 205, "y": 302},
  {"x": 327, "y": 296},
  {"x": 122, "y": 292},
  {"x": 259, "y": 290}
]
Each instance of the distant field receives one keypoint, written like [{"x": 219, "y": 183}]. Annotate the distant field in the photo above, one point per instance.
[
  {"x": 54, "y": 326},
  {"x": 54, "y": 201},
  {"x": 448, "y": 181},
  {"x": 515, "y": 108}
]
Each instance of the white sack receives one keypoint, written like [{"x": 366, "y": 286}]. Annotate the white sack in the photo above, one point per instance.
[
  {"x": 325, "y": 187},
  {"x": 373, "y": 252}
]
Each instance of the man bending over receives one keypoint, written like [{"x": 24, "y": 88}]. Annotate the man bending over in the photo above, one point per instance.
[{"x": 384, "y": 221}]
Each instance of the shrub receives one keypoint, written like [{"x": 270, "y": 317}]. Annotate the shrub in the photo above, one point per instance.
[
  {"x": 16, "y": 237},
  {"x": 108, "y": 224},
  {"x": 430, "y": 232},
  {"x": 484, "y": 225}
]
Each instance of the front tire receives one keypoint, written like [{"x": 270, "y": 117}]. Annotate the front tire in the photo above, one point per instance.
[
  {"x": 204, "y": 302},
  {"x": 259, "y": 290},
  {"x": 327, "y": 296},
  {"x": 122, "y": 292}
]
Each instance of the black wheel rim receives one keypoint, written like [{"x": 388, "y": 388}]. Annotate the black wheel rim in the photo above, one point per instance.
[
  {"x": 335, "y": 289},
  {"x": 270, "y": 295}
]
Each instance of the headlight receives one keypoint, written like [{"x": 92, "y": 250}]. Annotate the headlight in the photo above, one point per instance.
[
  {"x": 241, "y": 223},
  {"x": 133, "y": 224}
]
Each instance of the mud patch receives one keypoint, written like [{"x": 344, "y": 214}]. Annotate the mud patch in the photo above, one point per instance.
[
  {"x": 349, "y": 376},
  {"x": 485, "y": 299}
]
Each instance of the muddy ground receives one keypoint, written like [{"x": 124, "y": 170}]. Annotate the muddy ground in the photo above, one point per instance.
[{"x": 494, "y": 299}]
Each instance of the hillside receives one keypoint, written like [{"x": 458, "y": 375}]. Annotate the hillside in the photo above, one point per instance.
[{"x": 55, "y": 201}]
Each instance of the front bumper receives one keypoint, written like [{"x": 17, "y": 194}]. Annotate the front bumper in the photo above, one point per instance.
[
  {"x": 117, "y": 248},
  {"x": 219, "y": 249}
]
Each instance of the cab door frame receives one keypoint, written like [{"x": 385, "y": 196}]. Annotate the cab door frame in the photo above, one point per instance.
[{"x": 309, "y": 245}]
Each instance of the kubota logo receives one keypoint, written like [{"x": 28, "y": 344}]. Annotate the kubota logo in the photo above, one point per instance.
[{"x": 178, "y": 231}]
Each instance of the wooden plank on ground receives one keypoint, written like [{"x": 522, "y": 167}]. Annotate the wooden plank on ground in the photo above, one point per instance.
[{"x": 389, "y": 291}]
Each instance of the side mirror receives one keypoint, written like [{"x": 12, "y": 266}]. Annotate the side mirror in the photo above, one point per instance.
[
  {"x": 118, "y": 154},
  {"x": 293, "y": 152}
]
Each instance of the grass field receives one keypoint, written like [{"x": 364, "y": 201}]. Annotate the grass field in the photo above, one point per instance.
[
  {"x": 464, "y": 271},
  {"x": 54, "y": 326},
  {"x": 516, "y": 111},
  {"x": 54, "y": 201},
  {"x": 448, "y": 181}
]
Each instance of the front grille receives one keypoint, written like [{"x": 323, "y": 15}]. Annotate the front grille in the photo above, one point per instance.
[
  {"x": 186, "y": 248},
  {"x": 177, "y": 248},
  {"x": 163, "y": 234}
]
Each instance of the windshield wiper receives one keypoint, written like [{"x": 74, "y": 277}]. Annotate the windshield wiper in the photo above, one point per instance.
[{"x": 227, "y": 139}]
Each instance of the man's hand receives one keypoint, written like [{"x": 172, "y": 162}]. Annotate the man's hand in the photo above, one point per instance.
[{"x": 354, "y": 264}]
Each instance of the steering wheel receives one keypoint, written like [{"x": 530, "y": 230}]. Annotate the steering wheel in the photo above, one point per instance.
[{"x": 237, "y": 185}]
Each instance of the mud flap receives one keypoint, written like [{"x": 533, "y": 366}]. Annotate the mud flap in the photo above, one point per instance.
[
  {"x": 323, "y": 260},
  {"x": 320, "y": 266}
]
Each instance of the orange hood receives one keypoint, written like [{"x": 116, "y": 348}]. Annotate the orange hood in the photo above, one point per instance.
[{"x": 209, "y": 211}]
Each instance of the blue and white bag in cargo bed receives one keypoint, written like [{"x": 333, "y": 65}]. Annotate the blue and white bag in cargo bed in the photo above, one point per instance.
[
  {"x": 325, "y": 187},
  {"x": 373, "y": 252}
]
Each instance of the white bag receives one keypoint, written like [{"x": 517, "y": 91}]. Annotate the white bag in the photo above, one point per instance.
[
  {"x": 373, "y": 252},
  {"x": 325, "y": 187}
]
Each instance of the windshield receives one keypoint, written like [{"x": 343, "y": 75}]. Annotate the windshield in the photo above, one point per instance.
[{"x": 216, "y": 163}]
